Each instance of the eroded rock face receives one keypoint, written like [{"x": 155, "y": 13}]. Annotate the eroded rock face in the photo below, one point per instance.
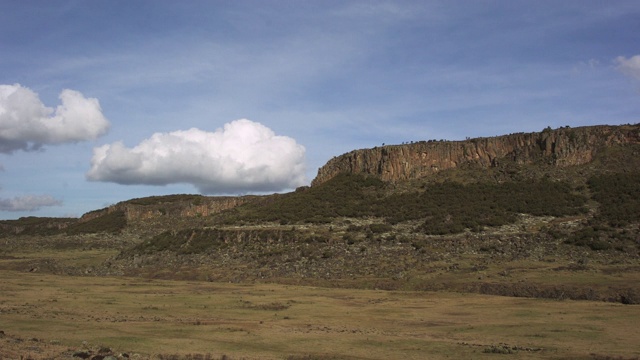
[
  {"x": 561, "y": 147},
  {"x": 204, "y": 206}
]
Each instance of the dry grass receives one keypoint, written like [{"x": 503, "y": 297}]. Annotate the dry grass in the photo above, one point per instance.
[{"x": 153, "y": 317}]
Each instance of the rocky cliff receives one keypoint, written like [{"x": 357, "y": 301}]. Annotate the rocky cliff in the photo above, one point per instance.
[
  {"x": 561, "y": 147},
  {"x": 176, "y": 206}
]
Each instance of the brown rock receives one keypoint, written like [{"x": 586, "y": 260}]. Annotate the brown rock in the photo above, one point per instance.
[
  {"x": 561, "y": 147},
  {"x": 203, "y": 206}
]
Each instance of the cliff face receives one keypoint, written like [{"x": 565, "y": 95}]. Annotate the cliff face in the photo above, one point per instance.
[
  {"x": 561, "y": 147},
  {"x": 170, "y": 207}
]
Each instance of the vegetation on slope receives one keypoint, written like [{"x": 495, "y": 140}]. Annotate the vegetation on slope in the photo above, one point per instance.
[
  {"x": 615, "y": 222},
  {"x": 110, "y": 223},
  {"x": 195, "y": 241},
  {"x": 113, "y": 222},
  {"x": 345, "y": 195},
  {"x": 447, "y": 207},
  {"x": 452, "y": 208},
  {"x": 619, "y": 197},
  {"x": 33, "y": 226},
  {"x": 154, "y": 200}
]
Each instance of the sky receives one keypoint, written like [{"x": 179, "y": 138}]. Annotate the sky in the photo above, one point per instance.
[{"x": 107, "y": 100}]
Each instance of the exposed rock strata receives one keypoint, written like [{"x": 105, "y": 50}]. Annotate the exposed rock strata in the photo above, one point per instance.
[
  {"x": 201, "y": 206},
  {"x": 561, "y": 147}
]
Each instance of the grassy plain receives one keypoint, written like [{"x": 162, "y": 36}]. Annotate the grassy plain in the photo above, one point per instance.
[{"x": 156, "y": 318}]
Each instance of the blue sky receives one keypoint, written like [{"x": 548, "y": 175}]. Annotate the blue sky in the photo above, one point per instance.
[{"x": 102, "y": 101}]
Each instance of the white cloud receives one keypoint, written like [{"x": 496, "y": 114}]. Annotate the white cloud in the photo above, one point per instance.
[
  {"x": 27, "y": 124},
  {"x": 28, "y": 203},
  {"x": 244, "y": 156},
  {"x": 630, "y": 66}
]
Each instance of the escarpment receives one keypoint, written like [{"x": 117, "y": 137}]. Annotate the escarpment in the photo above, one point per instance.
[
  {"x": 172, "y": 206},
  {"x": 561, "y": 147}
]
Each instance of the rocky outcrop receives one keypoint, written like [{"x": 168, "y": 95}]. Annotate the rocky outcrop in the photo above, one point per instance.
[
  {"x": 174, "y": 206},
  {"x": 561, "y": 147}
]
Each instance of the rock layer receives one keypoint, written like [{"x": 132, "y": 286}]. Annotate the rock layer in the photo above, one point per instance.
[
  {"x": 561, "y": 147},
  {"x": 189, "y": 207}
]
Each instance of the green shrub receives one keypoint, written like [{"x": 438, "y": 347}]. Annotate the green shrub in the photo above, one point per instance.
[{"x": 618, "y": 196}]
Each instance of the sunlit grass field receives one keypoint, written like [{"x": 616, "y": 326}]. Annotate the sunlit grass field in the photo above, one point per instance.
[{"x": 154, "y": 318}]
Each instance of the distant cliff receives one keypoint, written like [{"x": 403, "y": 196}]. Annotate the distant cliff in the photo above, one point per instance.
[
  {"x": 561, "y": 147},
  {"x": 170, "y": 206}
]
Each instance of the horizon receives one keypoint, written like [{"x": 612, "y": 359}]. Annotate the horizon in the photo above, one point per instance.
[
  {"x": 309, "y": 185},
  {"x": 103, "y": 102}
]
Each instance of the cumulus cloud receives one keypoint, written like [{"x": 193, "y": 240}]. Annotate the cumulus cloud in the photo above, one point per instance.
[
  {"x": 27, "y": 124},
  {"x": 243, "y": 156},
  {"x": 28, "y": 203},
  {"x": 630, "y": 66}
]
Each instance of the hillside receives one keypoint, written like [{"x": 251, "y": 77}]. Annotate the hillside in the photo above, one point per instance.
[{"x": 554, "y": 214}]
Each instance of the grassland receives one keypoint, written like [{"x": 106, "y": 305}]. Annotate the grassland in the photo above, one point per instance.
[{"x": 156, "y": 319}]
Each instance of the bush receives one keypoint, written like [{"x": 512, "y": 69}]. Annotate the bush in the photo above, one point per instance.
[{"x": 618, "y": 196}]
